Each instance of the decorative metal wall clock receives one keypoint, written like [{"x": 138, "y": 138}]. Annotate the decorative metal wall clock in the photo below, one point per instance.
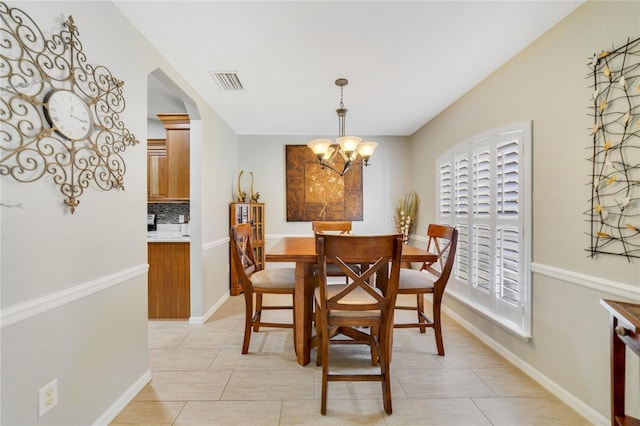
[{"x": 60, "y": 115}]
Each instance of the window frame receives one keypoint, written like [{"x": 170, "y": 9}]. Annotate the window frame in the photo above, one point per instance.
[{"x": 459, "y": 212}]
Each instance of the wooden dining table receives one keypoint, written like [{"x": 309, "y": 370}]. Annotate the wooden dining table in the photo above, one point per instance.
[{"x": 302, "y": 252}]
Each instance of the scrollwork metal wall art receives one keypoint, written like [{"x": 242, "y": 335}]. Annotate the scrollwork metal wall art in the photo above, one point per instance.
[
  {"x": 615, "y": 180},
  {"x": 41, "y": 82}
]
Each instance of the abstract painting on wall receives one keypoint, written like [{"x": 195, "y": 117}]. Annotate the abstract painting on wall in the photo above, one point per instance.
[{"x": 317, "y": 193}]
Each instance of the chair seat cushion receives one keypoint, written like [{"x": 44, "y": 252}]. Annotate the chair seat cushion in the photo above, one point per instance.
[
  {"x": 274, "y": 278},
  {"x": 413, "y": 278},
  {"x": 357, "y": 297}
]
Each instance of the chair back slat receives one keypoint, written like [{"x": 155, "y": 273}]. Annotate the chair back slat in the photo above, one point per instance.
[
  {"x": 440, "y": 240},
  {"x": 378, "y": 252},
  {"x": 338, "y": 226},
  {"x": 242, "y": 253},
  {"x": 443, "y": 241}
]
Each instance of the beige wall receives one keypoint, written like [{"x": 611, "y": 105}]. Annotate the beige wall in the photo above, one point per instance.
[
  {"x": 97, "y": 340},
  {"x": 547, "y": 83},
  {"x": 383, "y": 182},
  {"x": 74, "y": 287}
]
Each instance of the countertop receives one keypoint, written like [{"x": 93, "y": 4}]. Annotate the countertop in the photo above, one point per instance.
[{"x": 168, "y": 233}]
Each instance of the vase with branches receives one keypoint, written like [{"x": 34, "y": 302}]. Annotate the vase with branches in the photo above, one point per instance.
[{"x": 406, "y": 214}]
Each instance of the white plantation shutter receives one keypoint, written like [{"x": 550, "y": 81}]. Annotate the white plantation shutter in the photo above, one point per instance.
[
  {"x": 445, "y": 189},
  {"x": 508, "y": 265},
  {"x": 507, "y": 179},
  {"x": 461, "y": 200},
  {"x": 481, "y": 253},
  {"x": 482, "y": 182},
  {"x": 461, "y": 270},
  {"x": 486, "y": 194}
]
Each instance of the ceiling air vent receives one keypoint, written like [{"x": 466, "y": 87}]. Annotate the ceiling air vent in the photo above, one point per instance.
[{"x": 227, "y": 80}]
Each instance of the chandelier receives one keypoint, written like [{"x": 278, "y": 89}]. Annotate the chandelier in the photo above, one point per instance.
[{"x": 351, "y": 148}]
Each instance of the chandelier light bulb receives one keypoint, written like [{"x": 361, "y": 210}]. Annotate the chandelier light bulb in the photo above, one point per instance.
[
  {"x": 365, "y": 149},
  {"x": 348, "y": 144},
  {"x": 320, "y": 147}
]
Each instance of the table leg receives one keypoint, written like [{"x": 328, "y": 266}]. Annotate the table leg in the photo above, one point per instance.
[
  {"x": 303, "y": 301},
  {"x": 617, "y": 373}
]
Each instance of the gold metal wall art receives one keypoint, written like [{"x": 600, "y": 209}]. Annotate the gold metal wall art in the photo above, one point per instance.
[
  {"x": 615, "y": 152},
  {"x": 59, "y": 114}
]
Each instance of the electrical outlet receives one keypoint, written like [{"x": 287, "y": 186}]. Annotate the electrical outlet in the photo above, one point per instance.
[
  {"x": 181, "y": 218},
  {"x": 47, "y": 397}
]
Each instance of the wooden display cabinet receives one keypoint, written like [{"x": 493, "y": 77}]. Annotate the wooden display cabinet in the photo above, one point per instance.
[{"x": 252, "y": 213}]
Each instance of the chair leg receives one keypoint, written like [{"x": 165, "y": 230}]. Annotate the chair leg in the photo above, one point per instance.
[
  {"x": 375, "y": 356},
  {"x": 324, "y": 349},
  {"x": 258, "y": 315},
  {"x": 385, "y": 352},
  {"x": 293, "y": 318},
  {"x": 318, "y": 336},
  {"x": 437, "y": 327},
  {"x": 248, "y": 319},
  {"x": 420, "y": 307}
]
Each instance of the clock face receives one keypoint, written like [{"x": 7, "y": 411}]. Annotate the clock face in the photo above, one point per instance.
[{"x": 68, "y": 114}]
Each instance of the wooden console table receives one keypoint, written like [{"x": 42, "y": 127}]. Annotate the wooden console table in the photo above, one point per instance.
[{"x": 625, "y": 331}]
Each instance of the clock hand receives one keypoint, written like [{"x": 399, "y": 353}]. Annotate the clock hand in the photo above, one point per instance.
[{"x": 79, "y": 119}]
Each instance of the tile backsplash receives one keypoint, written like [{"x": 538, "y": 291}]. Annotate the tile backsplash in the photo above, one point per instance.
[{"x": 168, "y": 212}]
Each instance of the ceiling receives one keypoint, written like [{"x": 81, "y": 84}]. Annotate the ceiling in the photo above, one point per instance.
[{"x": 405, "y": 61}]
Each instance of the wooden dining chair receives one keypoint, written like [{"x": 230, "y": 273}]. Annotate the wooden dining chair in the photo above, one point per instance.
[
  {"x": 341, "y": 227},
  {"x": 351, "y": 309},
  {"x": 431, "y": 278},
  {"x": 256, "y": 281}
]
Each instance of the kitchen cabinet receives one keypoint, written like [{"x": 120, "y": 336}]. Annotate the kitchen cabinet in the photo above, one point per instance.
[
  {"x": 168, "y": 164},
  {"x": 169, "y": 280},
  {"x": 157, "y": 168},
  {"x": 252, "y": 213}
]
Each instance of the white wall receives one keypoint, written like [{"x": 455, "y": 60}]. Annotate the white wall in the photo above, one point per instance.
[
  {"x": 74, "y": 287},
  {"x": 218, "y": 159},
  {"x": 547, "y": 83},
  {"x": 383, "y": 182}
]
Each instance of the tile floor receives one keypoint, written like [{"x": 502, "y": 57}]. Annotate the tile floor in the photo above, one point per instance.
[{"x": 200, "y": 378}]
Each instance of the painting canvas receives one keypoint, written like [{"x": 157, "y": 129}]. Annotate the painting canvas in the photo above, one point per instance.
[{"x": 314, "y": 193}]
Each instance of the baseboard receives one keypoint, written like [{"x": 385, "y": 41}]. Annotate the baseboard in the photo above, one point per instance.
[
  {"x": 119, "y": 405},
  {"x": 201, "y": 320},
  {"x": 586, "y": 411}
]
